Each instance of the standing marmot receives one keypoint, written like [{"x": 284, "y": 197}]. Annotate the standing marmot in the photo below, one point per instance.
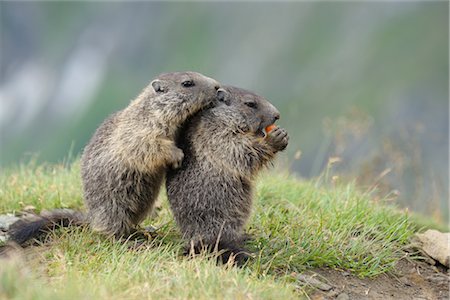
[
  {"x": 125, "y": 162},
  {"x": 225, "y": 147}
]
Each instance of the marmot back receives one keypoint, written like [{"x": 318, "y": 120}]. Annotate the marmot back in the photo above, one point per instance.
[{"x": 225, "y": 147}]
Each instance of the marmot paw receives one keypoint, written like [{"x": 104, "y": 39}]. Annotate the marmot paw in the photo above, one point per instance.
[
  {"x": 177, "y": 158},
  {"x": 278, "y": 138}
]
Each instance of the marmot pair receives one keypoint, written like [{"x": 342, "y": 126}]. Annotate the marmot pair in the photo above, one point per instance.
[{"x": 216, "y": 134}]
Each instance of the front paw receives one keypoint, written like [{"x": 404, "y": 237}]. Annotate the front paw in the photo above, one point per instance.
[
  {"x": 278, "y": 138},
  {"x": 177, "y": 158}
]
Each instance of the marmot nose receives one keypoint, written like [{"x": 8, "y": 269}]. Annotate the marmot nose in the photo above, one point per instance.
[{"x": 276, "y": 116}]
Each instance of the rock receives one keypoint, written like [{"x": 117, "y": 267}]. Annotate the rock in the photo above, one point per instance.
[
  {"x": 6, "y": 221},
  {"x": 30, "y": 209},
  {"x": 310, "y": 280},
  {"x": 342, "y": 296},
  {"x": 437, "y": 245}
]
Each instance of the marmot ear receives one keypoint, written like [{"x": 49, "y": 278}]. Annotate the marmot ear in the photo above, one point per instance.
[
  {"x": 222, "y": 96},
  {"x": 158, "y": 86}
]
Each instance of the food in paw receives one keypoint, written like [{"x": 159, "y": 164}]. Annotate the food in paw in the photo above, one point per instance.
[{"x": 270, "y": 128}]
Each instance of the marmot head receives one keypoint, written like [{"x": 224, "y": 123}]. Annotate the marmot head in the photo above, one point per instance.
[
  {"x": 189, "y": 90},
  {"x": 245, "y": 110}
]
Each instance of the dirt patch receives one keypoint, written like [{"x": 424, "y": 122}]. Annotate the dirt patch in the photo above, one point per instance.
[{"x": 409, "y": 280}]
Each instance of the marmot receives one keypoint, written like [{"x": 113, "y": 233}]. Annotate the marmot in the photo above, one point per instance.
[
  {"x": 125, "y": 162},
  {"x": 225, "y": 147}
]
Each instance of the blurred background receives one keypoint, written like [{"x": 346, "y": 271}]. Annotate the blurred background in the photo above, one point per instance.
[{"x": 365, "y": 84}]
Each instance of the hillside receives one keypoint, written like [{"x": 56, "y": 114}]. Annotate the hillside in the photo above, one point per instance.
[{"x": 320, "y": 229}]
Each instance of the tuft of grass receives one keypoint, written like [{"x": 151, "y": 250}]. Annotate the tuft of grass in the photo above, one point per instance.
[
  {"x": 43, "y": 186},
  {"x": 296, "y": 225}
]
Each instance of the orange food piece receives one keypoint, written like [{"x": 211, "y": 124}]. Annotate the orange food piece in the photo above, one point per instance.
[{"x": 270, "y": 128}]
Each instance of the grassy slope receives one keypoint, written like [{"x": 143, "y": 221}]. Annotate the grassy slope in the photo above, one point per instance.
[{"x": 296, "y": 225}]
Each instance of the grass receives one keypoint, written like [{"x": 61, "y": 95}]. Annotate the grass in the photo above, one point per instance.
[{"x": 296, "y": 225}]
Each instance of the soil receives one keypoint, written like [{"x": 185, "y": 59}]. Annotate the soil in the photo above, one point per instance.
[{"x": 409, "y": 280}]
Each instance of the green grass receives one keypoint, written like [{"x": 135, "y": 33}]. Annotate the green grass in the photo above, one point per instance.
[
  {"x": 296, "y": 225},
  {"x": 43, "y": 186}
]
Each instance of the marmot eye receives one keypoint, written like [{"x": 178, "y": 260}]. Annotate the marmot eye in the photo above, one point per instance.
[
  {"x": 251, "y": 104},
  {"x": 188, "y": 83}
]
